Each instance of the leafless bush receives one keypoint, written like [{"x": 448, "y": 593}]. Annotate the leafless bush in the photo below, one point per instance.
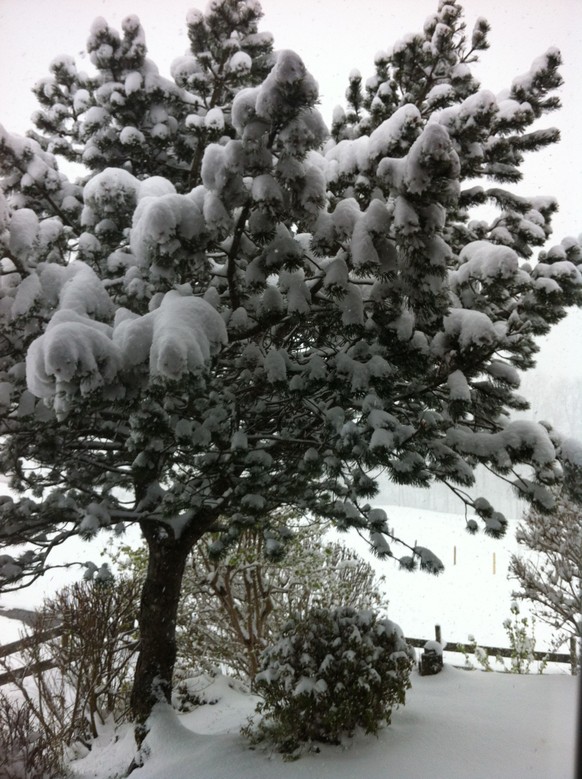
[
  {"x": 62, "y": 707},
  {"x": 25, "y": 752},
  {"x": 551, "y": 576},
  {"x": 96, "y": 650}
]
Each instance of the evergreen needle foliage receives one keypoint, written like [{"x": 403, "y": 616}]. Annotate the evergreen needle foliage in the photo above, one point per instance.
[{"x": 233, "y": 310}]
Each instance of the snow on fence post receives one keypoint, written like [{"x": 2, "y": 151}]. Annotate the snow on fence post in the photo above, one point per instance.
[
  {"x": 431, "y": 646},
  {"x": 431, "y": 660}
]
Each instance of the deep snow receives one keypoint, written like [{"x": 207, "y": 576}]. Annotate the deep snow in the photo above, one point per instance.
[{"x": 456, "y": 725}]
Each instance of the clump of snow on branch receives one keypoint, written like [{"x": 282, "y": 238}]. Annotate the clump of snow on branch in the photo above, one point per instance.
[{"x": 77, "y": 353}]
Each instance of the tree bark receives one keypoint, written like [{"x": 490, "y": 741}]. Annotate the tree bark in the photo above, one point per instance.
[{"x": 157, "y": 621}]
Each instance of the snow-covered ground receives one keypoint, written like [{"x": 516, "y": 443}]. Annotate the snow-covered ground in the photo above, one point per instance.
[{"x": 456, "y": 725}]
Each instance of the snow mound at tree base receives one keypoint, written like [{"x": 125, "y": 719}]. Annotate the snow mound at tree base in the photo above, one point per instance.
[{"x": 457, "y": 724}]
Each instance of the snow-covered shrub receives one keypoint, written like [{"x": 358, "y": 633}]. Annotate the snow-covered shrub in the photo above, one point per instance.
[
  {"x": 191, "y": 693},
  {"x": 205, "y": 689},
  {"x": 522, "y": 641},
  {"x": 331, "y": 672}
]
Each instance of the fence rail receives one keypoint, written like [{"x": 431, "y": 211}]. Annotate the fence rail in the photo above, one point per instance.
[
  {"x": 12, "y": 648},
  {"x": 24, "y": 643},
  {"x": 17, "y": 674},
  {"x": 570, "y": 658}
]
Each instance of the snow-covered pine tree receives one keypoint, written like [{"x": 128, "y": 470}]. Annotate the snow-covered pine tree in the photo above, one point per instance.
[
  {"x": 231, "y": 313},
  {"x": 127, "y": 115}
]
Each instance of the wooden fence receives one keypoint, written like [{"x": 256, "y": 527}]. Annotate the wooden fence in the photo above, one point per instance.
[
  {"x": 8, "y": 677},
  {"x": 17, "y": 646},
  {"x": 570, "y": 658}
]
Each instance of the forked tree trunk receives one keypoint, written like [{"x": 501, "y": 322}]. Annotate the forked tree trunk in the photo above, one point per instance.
[{"x": 157, "y": 622}]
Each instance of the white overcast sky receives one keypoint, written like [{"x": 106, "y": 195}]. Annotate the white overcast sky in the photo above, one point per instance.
[{"x": 333, "y": 37}]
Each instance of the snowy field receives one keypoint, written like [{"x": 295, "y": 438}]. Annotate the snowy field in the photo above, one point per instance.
[{"x": 472, "y": 596}]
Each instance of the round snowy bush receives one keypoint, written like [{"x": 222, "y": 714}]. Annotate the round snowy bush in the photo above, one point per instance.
[{"x": 328, "y": 674}]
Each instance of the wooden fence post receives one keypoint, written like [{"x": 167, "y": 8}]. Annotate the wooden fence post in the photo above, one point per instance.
[{"x": 573, "y": 656}]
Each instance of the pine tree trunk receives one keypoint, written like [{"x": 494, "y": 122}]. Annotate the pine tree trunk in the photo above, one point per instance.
[{"x": 157, "y": 622}]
